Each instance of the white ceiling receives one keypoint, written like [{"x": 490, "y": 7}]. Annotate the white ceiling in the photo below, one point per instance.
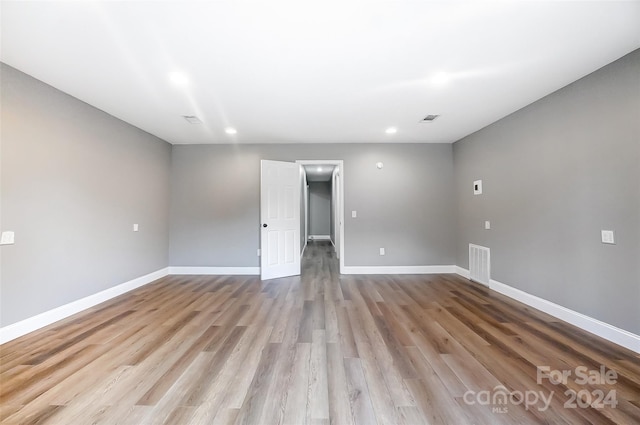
[
  {"x": 299, "y": 72},
  {"x": 318, "y": 173}
]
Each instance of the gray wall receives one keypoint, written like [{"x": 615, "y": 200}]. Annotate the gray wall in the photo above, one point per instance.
[
  {"x": 74, "y": 180},
  {"x": 320, "y": 208},
  {"x": 407, "y": 207},
  {"x": 555, "y": 173}
]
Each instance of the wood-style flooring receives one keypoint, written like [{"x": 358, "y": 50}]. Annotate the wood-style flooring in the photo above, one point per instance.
[{"x": 314, "y": 349}]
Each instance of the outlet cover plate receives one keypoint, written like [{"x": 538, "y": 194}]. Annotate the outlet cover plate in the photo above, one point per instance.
[
  {"x": 7, "y": 238},
  {"x": 608, "y": 237},
  {"x": 477, "y": 187}
]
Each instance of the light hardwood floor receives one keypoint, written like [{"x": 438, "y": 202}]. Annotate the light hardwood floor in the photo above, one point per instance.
[{"x": 315, "y": 349}]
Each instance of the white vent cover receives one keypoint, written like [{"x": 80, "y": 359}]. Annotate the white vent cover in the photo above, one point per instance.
[
  {"x": 479, "y": 264},
  {"x": 192, "y": 119},
  {"x": 429, "y": 118}
]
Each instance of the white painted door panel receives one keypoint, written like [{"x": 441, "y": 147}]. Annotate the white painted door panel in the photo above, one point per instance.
[{"x": 280, "y": 219}]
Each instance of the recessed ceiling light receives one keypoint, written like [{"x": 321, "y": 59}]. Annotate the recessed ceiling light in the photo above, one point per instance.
[
  {"x": 440, "y": 79},
  {"x": 178, "y": 78},
  {"x": 230, "y": 130},
  {"x": 192, "y": 119},
  {"x": 391, "y": 130}
]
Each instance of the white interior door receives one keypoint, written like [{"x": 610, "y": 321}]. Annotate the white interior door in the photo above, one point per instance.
[{"x": 280, "y": 219}]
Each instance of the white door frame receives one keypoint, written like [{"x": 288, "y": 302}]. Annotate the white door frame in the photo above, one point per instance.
[
  {"x": 335, "y": 195},
  {"x": 305, "y": 194},
  {"x": 339, "y": 164}
]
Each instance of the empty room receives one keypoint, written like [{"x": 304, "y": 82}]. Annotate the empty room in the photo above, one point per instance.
[{"x": 285, "y": 212}]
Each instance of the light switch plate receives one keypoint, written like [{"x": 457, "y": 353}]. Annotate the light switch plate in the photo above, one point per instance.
[
  {"x": 487, "y": 225},
  {"x": 135, "y": 227},
  {"x": 381, "y": 251},
  {"x": 7, "y": 238},
  {"x": 354, "y": 214},
  {"x": 608, "y": 236}
]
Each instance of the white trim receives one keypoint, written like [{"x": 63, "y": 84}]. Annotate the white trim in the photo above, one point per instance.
[
  {"x": 609, "y": 332},
  {"x": 462, "y": 272},
  {"x": 589, "y": 324},
  {"x": 319, "y": 237},
  {"x": 41, "y": 320},
  {"x": 215, "y": 270},
  {"x": 305, "y": 193},
  {"x": 398, "y": 269}
]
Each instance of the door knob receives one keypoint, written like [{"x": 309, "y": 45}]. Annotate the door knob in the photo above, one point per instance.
[{"x": 264, "y": 225}]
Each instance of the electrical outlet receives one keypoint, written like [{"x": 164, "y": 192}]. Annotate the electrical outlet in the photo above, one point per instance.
[
  {"x": 7, "y": 238},
  {"x": 477, "y": 187},
  {"x": 608, "y": 237}
]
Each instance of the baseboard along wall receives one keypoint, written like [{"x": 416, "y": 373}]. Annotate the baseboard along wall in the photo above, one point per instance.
[
  {"x": 604, "y": 330},
  {"x": 215, "y": 270},
  {"x": 319, "y": 237},
  {"x": 23, "y": 327},
  {"x": 397, "y": 269},
  {"x": 609, "y": 332}
]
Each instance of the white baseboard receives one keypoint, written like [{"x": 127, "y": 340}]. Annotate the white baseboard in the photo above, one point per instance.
[
  {"x": 319, "y": 237},
  {"x": 604, "y": 330},
  {"x": 23, "y": 327},
  {"x": 397, "y": 269},
  {"x": 597, "y": 327},
  {"x": 462, "y": 272},
  {"x": 215, "y": 270}
]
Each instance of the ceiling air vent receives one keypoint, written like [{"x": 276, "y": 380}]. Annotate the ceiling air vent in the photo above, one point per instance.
[
  {"x": 192, "y": 119},
  {"x": 429, "y": 118}
]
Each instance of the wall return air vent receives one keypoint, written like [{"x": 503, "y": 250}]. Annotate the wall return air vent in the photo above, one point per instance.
[{"x": 479, "y": 264}]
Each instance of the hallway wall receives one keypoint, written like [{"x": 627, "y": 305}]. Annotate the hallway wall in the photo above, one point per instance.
[{"x": 320, "y": 208}]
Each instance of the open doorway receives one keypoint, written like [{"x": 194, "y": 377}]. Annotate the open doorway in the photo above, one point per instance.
[
  {"x": 323, "y": 212},
  {"x": 320, "y": 214}
]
